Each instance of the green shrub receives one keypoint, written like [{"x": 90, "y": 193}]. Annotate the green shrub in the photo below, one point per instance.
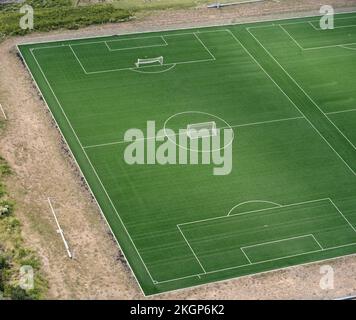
[
  {"x": 18, "y": 293},
  {"x": 4, "y": 167},
  {"x": 2, "y": 190},
  {"x": 3, "y": 262},
  {"x": 62, "y": 16}
]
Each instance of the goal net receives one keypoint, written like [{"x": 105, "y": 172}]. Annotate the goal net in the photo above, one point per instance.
[
  {"x": 141, "y": 62},
  {"x": 201, "y": 130}
]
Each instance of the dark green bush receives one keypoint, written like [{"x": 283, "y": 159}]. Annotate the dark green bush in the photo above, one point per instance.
[
  {"x": 3, "y": 262},
  {"x": 18, "y": 293},
  {"x": 4, "y": 167}
]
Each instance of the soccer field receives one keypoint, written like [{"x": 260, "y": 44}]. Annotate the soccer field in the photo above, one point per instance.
[{"x": 287, "y": 90}]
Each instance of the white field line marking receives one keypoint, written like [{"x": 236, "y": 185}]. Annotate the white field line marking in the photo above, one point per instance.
[
  {"x": 289, "y": 35},
  {"x": 153, "y": 72},
  {"x": 270, "y": 260},
  {"x": 305, "y": 93},
  {"x": 190, "y": 247},
  {"x": 190, "y": 28},
  {"x": 310, "y": 48},
  {"x": 254, "y": 201},
  {"x": 254, "y": 211},
  {"x": 96, "y": 174},
  {"x": 203, "y": 44},
  {"x": 245, "y": 254},
  {"x": 275, "y": 259},
  {"x": 288, "y": 96},
  {"x": 310, "y": 252},
  {"x": 76, "y": 57},
  {"x": 132, "y": 48},
  {"x": 109, "y": 40},
  {"x": 265, "y": 122},
  {"x": 349, "y": 223},
  {"x": 256, "y": 245},
  {"x": 353, "y": 172},
  {"x": 59, "y": 230},
  {"x": 147, "y": 66},
  {"x": 276, "y": 241},
  {"x": 310, "y": 22},
  {"x": 346, "y": 47},
  {"x": 321, "y": 247},
  {"x": 107, "y": 46},
  {"x": 312, "y": 25},
  {"x": 335, "y": 27},
  {"x": 177, "y": 134},
  {"x": 131, "y": 68},
  {"x": 342, "y": 111},
  {"x": 151, "y": 66},
  {"x": 3, "y": 112},
  {"x": 296, "y": 42},
  {"x": 343, "y": 45},
  {"x": 164, "y": 44}
]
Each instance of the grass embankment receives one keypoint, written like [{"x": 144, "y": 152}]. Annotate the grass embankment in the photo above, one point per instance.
[
  {"x": 13, "y": 253},
  {"x": 57, "y": 14}
]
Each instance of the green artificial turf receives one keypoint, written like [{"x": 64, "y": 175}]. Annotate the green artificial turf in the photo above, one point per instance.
[{"x": 288, "y": 91}]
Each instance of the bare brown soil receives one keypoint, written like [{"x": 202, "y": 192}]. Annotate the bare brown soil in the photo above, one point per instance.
[{"x": 44, "y": 168}]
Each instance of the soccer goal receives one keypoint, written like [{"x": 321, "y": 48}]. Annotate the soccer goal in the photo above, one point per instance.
[
  {"x": 201, "y": 130},
  {"x": 148, "y": 61}
]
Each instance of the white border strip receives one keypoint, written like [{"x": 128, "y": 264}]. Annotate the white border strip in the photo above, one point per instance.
[
  {"x": 60, "y": 230},
  {"x": 3, "y": 112}
]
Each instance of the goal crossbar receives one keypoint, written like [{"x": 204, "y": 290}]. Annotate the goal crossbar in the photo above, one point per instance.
[{"x": 149, "y": 61}]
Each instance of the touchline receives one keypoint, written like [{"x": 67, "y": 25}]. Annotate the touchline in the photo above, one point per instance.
[{"x": 198, "y": 143}]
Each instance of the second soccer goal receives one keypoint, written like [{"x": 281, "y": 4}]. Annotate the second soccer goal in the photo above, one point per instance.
[
  {"x": 148, "y": 61},
  {"x": 201, "y": 130}
]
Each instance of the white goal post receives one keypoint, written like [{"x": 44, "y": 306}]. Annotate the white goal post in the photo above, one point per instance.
[
  {"x": 149, "y": 61},
  {"x": 202, "y": 130}
]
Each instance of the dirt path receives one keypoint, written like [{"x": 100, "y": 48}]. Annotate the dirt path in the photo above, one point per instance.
[{"x": 43, "y": 168}]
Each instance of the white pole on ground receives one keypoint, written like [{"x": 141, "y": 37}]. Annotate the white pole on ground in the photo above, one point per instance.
[
  {"x": 60, "y": 231},
  {"x": 219, "y": 5},
  {"x": 3, "y": 112}
]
